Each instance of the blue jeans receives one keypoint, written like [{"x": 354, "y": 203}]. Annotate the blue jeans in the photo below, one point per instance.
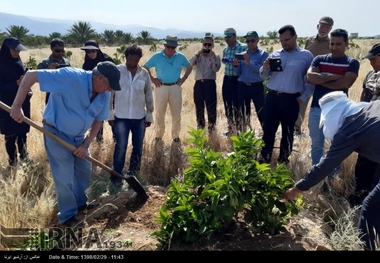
[
  {"x": 122, "y": 129},
  {"x": 71, "y": 175},
  {"x": 317, "y": 137}
]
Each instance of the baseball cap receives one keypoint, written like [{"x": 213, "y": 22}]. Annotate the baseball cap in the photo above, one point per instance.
[
  {"x": 171, "y": 40},
  {"x": 111, "y": 72},
  {"x": 209, "y": 35},
  {"x": 229, "y": 32},
  {"x": 373, "y": 52},
  {"x": 326, "y": 20},
  {"x": 251, "y": 34},
  {"x": 90, "y": 44},
  {"x": 14, "y": 43}
]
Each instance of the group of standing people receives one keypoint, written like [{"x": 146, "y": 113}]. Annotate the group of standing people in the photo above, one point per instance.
[{"x": 319, "y": 70}]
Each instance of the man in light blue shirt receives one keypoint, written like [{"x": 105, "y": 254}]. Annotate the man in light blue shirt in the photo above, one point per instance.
[
  {"x": 287, "y": 89},
  {"x": 168, "y": 65},
  {"x": 78, "y": 102},
  {"x": 250, "y": 87}
]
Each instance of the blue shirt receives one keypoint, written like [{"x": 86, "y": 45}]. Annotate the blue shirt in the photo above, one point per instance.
[
  {"x": 328, "y": 64},
  {"x": 69, "y": 109},
  {"x": 293, "y": 77},
  {"x": 168, "y": 70},
  {"x": 251, "y": 72}
]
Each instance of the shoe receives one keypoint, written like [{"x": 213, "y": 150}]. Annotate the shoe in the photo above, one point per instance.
[
  {"x": 12, "y": 163},
  {"x": 177, "y": 140},
  {"x": 264, "y": 159},
  {"x": 73, "y": 223},
  {"x": 88, "y": 206},
  {"x": 283, "y": 160},
  {"x": 116, "y": 181}
]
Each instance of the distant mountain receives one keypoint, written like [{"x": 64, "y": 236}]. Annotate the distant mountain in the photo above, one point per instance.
[{"x": 43, "y": 27}]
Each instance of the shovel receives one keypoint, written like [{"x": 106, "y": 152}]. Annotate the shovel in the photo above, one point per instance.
[{"x": 131, "y": 180}]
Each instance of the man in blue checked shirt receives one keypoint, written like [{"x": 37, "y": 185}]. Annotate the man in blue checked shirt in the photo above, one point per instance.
[
  {"x": 78, "y": 104},
  {"x": 230, "y": 80},
  {"x": 250, "y": 87},
  {"x": 287, "y": 89}
]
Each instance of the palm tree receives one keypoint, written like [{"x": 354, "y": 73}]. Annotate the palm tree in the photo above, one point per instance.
[
  {"x": 145, "y": 37},
  {"x": 55, "y": 35},
  {"x": 127, "y": 38},
  {"x": 81, "y": 32},
  {"x": 17, "y": 31},
  {"x": 109, "y": 36}
]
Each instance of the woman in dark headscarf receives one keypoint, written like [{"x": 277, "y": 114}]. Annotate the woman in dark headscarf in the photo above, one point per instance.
[
  {"x": 93, "y": 56},
  {"x": 11, "y": 72}
]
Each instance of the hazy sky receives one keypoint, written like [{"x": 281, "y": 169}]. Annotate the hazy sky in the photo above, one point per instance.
[{"x": 210, "y": 15}]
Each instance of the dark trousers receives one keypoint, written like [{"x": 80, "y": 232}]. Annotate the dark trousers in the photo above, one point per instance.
[
  {"x": 10, "y": 146},
  {"x": 248, "y": 92},
  {"x": 366, "y": 177},
  {"x": 205, "y": 94},
  {"x": 369, "y": 221},
  {"x": 280, "y": 108},
  {"x": 230, "y": 97}
]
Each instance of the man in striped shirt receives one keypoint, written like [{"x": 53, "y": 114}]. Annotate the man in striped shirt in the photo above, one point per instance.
[
  {"x": 230, "y": 80},
  {"x": 331, "y": 72}
]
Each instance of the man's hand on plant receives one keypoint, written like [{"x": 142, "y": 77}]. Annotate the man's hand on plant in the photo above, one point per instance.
[{"x": 291, "y": 194}]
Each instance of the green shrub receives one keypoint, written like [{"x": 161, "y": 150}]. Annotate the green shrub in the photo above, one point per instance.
[{"x": 217, "y": 188}]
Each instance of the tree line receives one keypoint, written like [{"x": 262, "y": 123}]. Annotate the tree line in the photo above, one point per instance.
[{"x": 78, "y": 34}]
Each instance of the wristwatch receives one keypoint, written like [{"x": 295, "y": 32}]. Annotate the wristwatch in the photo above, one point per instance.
[{"x": 86, "y": 144}]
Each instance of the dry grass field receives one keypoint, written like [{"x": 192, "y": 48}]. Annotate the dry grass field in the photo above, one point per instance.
[{"x": 28, "y": 199}]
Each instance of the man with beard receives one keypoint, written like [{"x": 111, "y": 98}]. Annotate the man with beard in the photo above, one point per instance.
[
  {"x": 287, "y": 89},
  {"x": 131, "y": 113}
]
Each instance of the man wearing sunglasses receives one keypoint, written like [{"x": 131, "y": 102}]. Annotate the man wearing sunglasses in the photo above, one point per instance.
[
  {"x": 230, "y": 80},
  {"x": 207, "y": 64},
  {"x": 55, "y": 60},
  {"x": 168, "y": 65},
  {"x": 250, "y": 87}
]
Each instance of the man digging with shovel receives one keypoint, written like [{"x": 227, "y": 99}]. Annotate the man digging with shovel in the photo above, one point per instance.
[{"x": 78, "y": 103}]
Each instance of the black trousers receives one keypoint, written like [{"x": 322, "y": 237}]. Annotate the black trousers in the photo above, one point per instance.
[
  {"x": 230, "y": 99},
  {"x": 205, "y": 94},
  {"x": 248, "y": 92},
  {"x": 367, "y": 175},
  {"x": 10, "y": 146},
  {"x": 280, "y": 108}
]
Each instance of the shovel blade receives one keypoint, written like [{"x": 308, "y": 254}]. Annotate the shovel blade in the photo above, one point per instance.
[{"x": 137, "y": 187}]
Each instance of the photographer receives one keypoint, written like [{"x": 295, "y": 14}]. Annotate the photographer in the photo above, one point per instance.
[
  {"x": 250, "y": 87},
  {"x": 55, "y": 60},
  {"x": 207, "y": 64}
]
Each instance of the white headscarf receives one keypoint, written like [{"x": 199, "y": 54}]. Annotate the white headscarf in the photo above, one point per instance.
[{"x": 336, "y": 107}]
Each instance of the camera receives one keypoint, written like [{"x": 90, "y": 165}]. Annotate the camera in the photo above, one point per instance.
[
  {"x": 275, "y": 64},
  {"x": 239, "y": 56},
  {"x": 62, "y": 65},
  {"x": 206, "y": 50}
]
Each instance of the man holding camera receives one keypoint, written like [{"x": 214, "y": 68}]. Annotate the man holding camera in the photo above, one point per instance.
[
  {"x": 55, "y": 60},
  {"x": 207, "y": 64},
  {"x": 230, "y": 80},
  {"x": 287, "y": 89},
  {"x": 250, "y": 87}
]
